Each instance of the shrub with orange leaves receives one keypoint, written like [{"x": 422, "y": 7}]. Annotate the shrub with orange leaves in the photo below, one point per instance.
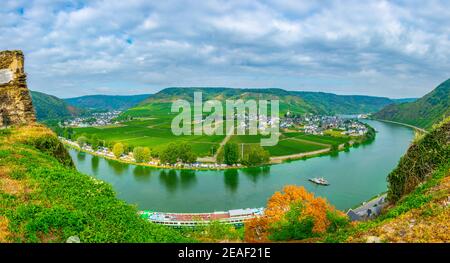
[{"x": 294, "y": 213}]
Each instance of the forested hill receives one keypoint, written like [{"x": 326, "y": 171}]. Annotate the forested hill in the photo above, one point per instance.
[
  {"x": 50, "y": 107},
  {"x": 106, "y": 102},
  {"x": 344, "y": 104},
  {"x": 424, "y": 112},
  {"x": 294, "y": 101}
]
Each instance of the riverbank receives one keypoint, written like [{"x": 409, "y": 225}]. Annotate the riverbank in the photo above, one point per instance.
[
  {"x": 209, "y": 166},
  {"x": 404, "y": 124},
  {"x": 354, "y": 176},
  {"x": 148, "y": 164}
]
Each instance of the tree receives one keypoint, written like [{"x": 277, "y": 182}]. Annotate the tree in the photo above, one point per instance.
[
  {"x": 147, "y": 154},
  {"x": 118, "y": 149},
  {"x": 256, "y": 156},
  {"x": 185, "y": 153},
  {"x": 231, "y": 153},
  {"x": 169, "y": 154},
  {"x": 178, "y": 152},
  {"x": 81, "y": 141},
  {"x": 95, "y": 142},
  {"x": 294, "y": 213},
  {"x": 141, "y": 154}
]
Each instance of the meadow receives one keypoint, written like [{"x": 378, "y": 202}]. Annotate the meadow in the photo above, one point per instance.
[
  {"x": 153, "y": 133},
  {"x": 291, "y": 143},
  {"x": 150, "y": 126}
]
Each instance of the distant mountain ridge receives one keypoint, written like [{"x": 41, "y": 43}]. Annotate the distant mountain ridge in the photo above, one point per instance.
[
  {"x": 107, "y": 102},
  {"x": 424, "y": 112},
  {"x": 51, "y": 107},
  {"x": 295, "y": 101}
]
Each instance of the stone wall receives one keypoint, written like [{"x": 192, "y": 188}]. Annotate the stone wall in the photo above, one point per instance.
[{"x": 15, "y": 100}]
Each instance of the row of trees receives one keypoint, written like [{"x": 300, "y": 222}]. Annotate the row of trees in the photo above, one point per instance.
[{"x": 174, "y": 153}]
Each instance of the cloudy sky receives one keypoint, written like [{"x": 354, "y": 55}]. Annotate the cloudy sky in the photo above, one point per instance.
[{"x": 384, "y": 48}]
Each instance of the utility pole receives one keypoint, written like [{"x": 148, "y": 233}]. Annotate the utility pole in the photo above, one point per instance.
[{"x": 242, "y": 151}]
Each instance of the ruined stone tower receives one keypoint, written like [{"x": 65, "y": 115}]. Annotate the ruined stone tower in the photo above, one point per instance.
[{"x": 15, "y": 100}]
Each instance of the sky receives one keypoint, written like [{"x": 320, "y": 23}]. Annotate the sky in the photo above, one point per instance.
[{"x": 392, "y": 49}]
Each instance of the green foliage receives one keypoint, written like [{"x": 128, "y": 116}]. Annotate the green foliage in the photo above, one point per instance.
[
  {"x": 107, "y": 102},
  {"x": 141, "y": 154},
  {"x": 424, "y": 112},
  {"x": 52, "y": 146},
  {"x": 215, "y": 232},
  {"x": 414, "y": 200},
  {"x": 337, "y": 221},
  {"x": 82, "y": 140},
  {"x": 178, "y": 152},
  {"x": 420, "y": 161},
  {"x": 256, "y": 155},
  {"x": 50, "y": 107},
  {"x": 153, "y": 133},
  {"x": 118, "y": 149},
  {"x": 230, "y": 153},
  {"x": 292, "y": 227},
  {"x": 61, "y": 202}
]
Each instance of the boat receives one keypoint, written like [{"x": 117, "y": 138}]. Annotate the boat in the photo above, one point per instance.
[
  {"x": 320, "y": 181},
  {"x": 235, "y": 217}
]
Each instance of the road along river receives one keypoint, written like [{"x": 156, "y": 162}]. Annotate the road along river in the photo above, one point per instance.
[{"x": 354, "y": 177}]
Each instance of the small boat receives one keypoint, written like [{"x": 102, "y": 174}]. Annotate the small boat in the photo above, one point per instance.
[{"x": 320, "y": 181}]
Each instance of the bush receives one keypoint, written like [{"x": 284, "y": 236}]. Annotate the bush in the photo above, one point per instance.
[
  {"x": 118, "y": 149},
  {"x": 256, "y": 156},
  {"x": 231, "y": 153},
  {"x": 294, "y": 214},
  {"x": 81, "y": 141},
  {"x": 141, "y": 154},
  {"x": 178, "y": 152},
  {"x": 421, "y": 159}
]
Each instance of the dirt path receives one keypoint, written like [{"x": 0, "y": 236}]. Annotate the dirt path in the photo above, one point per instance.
[
  {"x": 213, "y": 159},
  {"x": 279, "y": 159}
]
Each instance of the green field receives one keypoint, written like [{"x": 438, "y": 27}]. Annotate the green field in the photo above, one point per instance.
[
  {"x": 156, "y": 134},
  {"x": 151, "y": 127},
  {"x": 153, "y": 133},
  {"x": 319, "y": 139},
  {"x": 291, "y": 143}
]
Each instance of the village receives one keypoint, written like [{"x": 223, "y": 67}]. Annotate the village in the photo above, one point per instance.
[
  {"x": 319, "y": 124},
  {"x": 96, "y": 119}
]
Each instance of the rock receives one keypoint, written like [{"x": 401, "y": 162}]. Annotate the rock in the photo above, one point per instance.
[
  {"x": 73, "y": 239},
  {"x": 373, "y": 239},
  {"x": 15, "y": 101}
]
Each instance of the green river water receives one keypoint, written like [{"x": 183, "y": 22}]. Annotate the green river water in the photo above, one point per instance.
[{"x": 354, "y": 177}]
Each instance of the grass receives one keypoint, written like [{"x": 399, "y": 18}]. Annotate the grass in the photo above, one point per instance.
[
  {"x": 156, "y": 134},
  {"x": 153, "y": 133},
  {"x": 43, "y": 199},
  {"x": 285, "y": 146},
  {"x": 151, "y": 127},
  {"x": 319, "y": 139},
  {"x": 422, "y": 206}
]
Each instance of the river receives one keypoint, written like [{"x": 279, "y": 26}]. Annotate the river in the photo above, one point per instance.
[{"x": 354, "y": 177}]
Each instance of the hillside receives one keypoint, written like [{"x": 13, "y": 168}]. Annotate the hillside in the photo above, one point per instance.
[
  {"x": 423, "y": 112},
  {"x": 344, "y": 104},
  {"x": 44, "y": 199},
  {"x": 294, "y": 101},
  {"x": 106, "y": 102},
  {"x": 50, "y": 107},
  {"x": 419, "y": 196}
]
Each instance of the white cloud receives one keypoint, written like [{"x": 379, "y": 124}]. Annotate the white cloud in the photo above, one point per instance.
[{"x": 390, "y": 48}]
